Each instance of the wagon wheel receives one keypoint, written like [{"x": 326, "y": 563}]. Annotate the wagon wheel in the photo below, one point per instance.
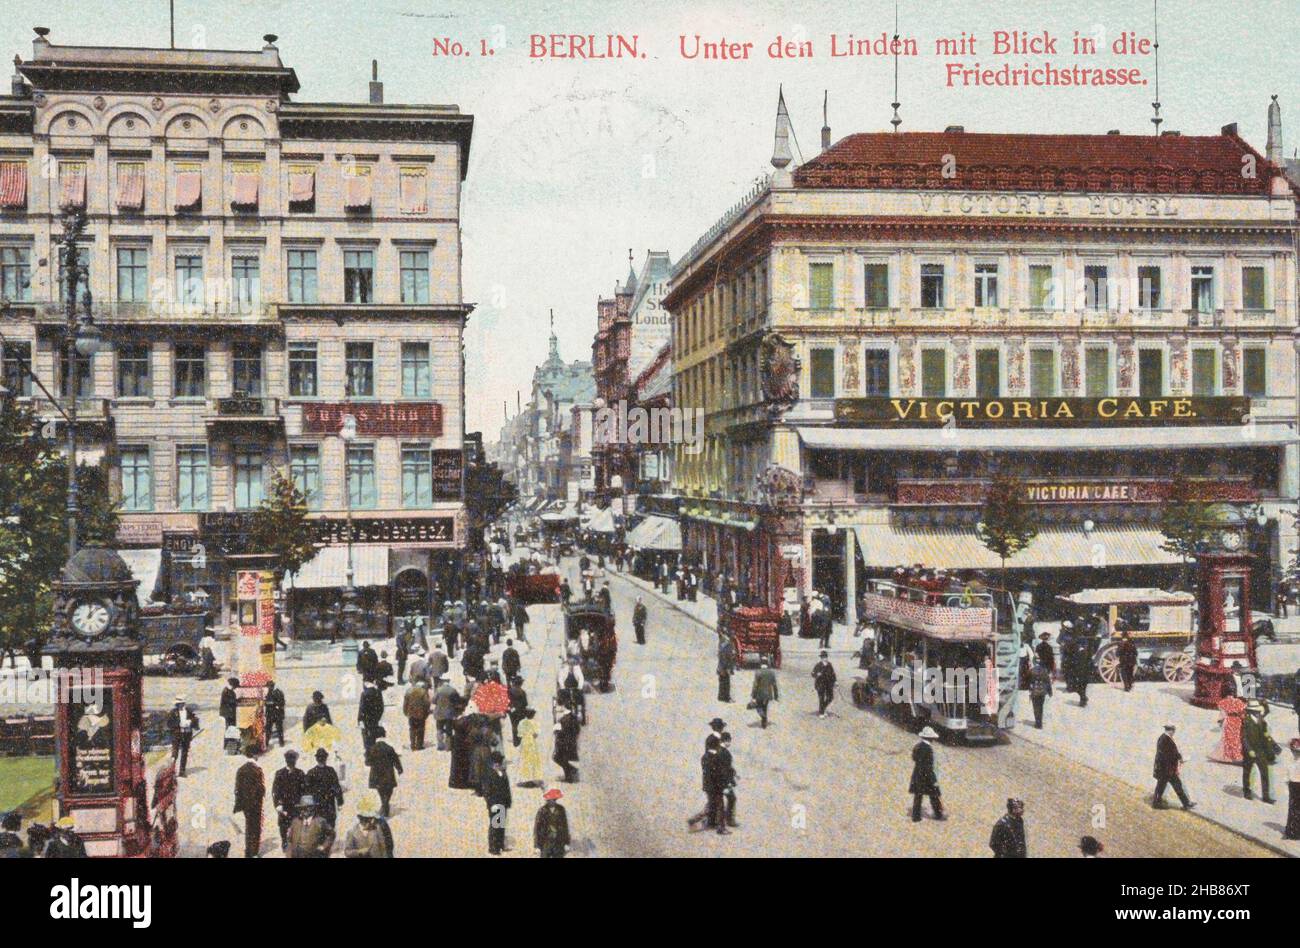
[
  {"x": 1107, "y": 662},
  {"x": 1177, "y": 667}
]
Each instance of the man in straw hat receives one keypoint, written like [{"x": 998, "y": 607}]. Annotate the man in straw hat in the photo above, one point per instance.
[
  {"x": 1258, "y": 749},
  {"x": 181, "y": 723},
  {"x": 551, "y": 827},
  {"x": 367, "y": 840},
  {"x": 925, "y": 782}
]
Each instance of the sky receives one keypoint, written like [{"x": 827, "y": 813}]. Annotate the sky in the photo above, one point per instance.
[{"x": 575, "y": 161}]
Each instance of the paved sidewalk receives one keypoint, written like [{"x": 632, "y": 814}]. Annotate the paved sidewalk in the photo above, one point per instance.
[{"x": 1116, "y": 735}]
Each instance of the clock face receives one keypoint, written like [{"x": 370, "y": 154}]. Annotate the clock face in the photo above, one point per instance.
[
  {"x": 90, "y": 619},
  {"x": 1231, "y": 540}
]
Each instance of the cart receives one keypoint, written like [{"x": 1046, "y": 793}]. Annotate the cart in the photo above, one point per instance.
[
  {"x": 753, "y": 632},
  {"x": 1159, "y": 623},
  {"x": 600, "y": 648},
  {"x": 531, "y": 588}
]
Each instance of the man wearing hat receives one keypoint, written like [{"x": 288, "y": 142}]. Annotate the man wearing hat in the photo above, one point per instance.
[
  {"x": 1127, "y": 654},
  {"x": 551, "y": 827},
  {"x": 1040, "y": 689},
  {"x": 496, "y": 794},
  {"x": 181, "y": 723},
  {"x": 1045, "y": 654},
  {"x": 250, "y": 792},
  {"x": 726, "y": 666},
  {"x": 385, "y": 765},
  {"x": 823, "y": 676},
  {"x": 1168, "y": 762},
  {"x": 229, "y": 702},
  {"x": 1258, "y": 749},
  {"x": 11, "y": 844},
  {"x": 1008, "y": 839},
  {"x": 925, "y": 782},
  {"x": 274, "y": 712},
  {"x": 370, "y": 711},
  {"x": 316, "y": 712},
  {"x": 287, "y": 788},
  {"x": 764, "y": 691},
  {"x": 311, "y": 836},
  {"x": 367, "y": 840},
  {"x": 716, "y": 727},
  {"x": 324, "y": 788}
]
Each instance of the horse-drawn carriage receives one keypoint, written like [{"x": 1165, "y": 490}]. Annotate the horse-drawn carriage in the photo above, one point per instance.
[
  {"x": 754, "y": 633},
  {"x": 532, "y": 585},
  {"x": 1159, "y": 623},
  {"x": 589, "y": 627}
]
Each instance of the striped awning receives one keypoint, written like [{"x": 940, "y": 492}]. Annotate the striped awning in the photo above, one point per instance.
[
  {"x": 72, "y": 186},
  {"x": 656, "y": 533},
  {"x": 886, "y": 546},
  {"x": 357, "y": 192},
  {"x": 13, "y": 184},
  {"x": 245, "y": 190},
  {"x": 302, "y": 186},
  {"x": 329, "y": 568},
  {"x": 602, "y": 521},
  {"x": 130, "y": 186},
  {"x": 189, "y": 190}
]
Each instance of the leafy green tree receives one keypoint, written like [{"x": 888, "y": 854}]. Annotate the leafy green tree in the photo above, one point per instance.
[
  {"x": 1007, "y": 524},
  {"x": 280, "y": 527},
  {"x": 34, "y": 526},
  {"x": 1187, "y": 522}
]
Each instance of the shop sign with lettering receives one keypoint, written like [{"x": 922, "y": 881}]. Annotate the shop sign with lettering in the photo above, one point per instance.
[{"x": 1111, "y": 411}]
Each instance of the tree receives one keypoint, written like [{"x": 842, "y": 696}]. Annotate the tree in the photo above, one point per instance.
[
  {"x": 280, "y": 528},
  {"x": 1007, "y": 524},
  {"x": 1186, "y": 521},
  {"x": 34, "y": 525}
]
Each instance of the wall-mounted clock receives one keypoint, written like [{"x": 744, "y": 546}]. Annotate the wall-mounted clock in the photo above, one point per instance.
[{"x": 90, "y": 618}]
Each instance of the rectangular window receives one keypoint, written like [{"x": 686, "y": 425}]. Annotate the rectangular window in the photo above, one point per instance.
[
  {"x": 988, "y": 373},
  {"x": 821, "y": 285},
  {"x": 1149, "y": 288},
  {"x": 15, "y": 274},
  {"x": 1042, "y": 288},
  {"x": 192, "y": 477},
  {"x": 83, "y": 263},
  {"x": 1203, "y": 289},
  {"x": 415, "y": 276},
  {"x": 932, "y": 286},
  {"x": 875, "y": 284},
  {"x": 1096, "y": 288},
  {"x": 85, "y": 376},
  {"x": 986, "y": 284},
  {"x": 822, "y": 373},
  {"x": 934, "y": 373},
  {"x": 132, "y": 274},
  {"x": 1096, "y": 371},
  {"x": 302, "y": 276},
  {"x": 17, "y": 369},
  {"x": 417, "y": 476},
  {"x": 302, "y": 369},
  {"x": 191, "y": 371},
  {"x": 877, "y": 372},
  {"x": 1204, "y": 372},
  {"x": 1254, "y": 371},
  {"x": 360, "y": 358},
  {"x": 416, "y": 381},
  {"x": 248, "y": 478},
  {"x": 1253, "y": 292},
  {"x": 304, "y": 470},
  {"x": 246, "y": 280},
  {"x": 1042, "y": 372},
  {"x": 358, "y": 276},
  {"x": 1151, "y": 373},
  {"x": 362, "y": 492},
  {"x": 189, "y": 279},
  {"x": 247, "y": 370},
  {"x": 137, "y": 479},
  {"x": 133, "y": 370}
]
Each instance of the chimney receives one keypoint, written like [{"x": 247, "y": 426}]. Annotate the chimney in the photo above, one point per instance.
[
  {"x": 826, "y": 122},
  {"x": 42, "y": 40},
  {"x": 954, "y": 129},
  {"x": 1113, "y": 131},
  {"x": 1273, "y": 151},
  {"x": 376, "y": 87},
  {"x": 1230, "y": 130},
  {"x": 1170, "y": 133}
]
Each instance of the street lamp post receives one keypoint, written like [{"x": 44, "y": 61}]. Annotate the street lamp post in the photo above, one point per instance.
[
  {"x": 81, "y": 337},
  {"x": 351, "y": 609}
]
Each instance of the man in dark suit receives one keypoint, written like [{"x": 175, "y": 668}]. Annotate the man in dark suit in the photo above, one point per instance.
[
  {"x": 496, "y": 794},
  {"x": 324, "y": 788},
  {"x": 1040, "y": 689},
  {"x": 924, "y": 782},
  {"x": 370, "y": 711},
  {"x": 385, "y": 765},
  {"x": 551, "y": 827},
  {"x": 181, "y": 723},
  {"x": 287, "y": 789},
  {"x": 713, "y": 780},
  {"x": 316, "y": 712},
  {"x": 730, "y": 779},
  {"x": 1127, "y": 654},
  {"x": 823, "y": 675},
  {"x": 367, "y": 662},
  {"x": 250, "y": 790},
  {"x": 510, "y": 663},
  {"x": 638, "y": 621},
  {"x": 274, "y": 712},
  {"x": 1168, "y": 760},
  {"x": 726, "y": 666},
  {"x": 229, "y": 702},
  {"x": 1008, "y": 840}
]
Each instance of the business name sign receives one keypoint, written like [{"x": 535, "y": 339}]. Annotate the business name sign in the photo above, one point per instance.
[
  {"x": 377, "y": 419},
  {"x": 1111, "y": 411},
  {"x": 1072, "y": 490}
]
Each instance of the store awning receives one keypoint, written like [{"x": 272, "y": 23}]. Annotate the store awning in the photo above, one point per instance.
[
  {"x": 656, "y": 533},
  {"x": 603, "y": 522},
  {"x": 1048, "y": 439},
  {"x": 329, "y": 568},
  {"x": 886, "y": 547},
  {"x": 144, "y": 566}
]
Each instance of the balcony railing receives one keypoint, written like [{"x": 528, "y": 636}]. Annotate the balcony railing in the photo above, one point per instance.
[
  {"x": 243, "y": 409},
  {"x": 115, "y": 312}
]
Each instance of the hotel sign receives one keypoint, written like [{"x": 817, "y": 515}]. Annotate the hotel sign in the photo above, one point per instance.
[
  {"x": 1111, "y": 411},
  {"x": 375, "y": 419},
  {"x": 1031, "y": 204}
]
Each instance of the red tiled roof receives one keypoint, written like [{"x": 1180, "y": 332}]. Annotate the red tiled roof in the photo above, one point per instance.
[{"x": 1177, "y": 164}]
